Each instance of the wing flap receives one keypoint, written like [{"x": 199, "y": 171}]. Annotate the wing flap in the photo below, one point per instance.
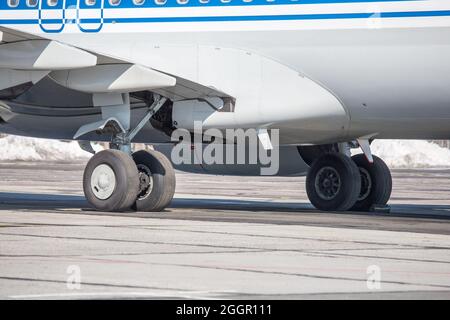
[
  {"x": 184, "y": 89},
  {"x": 43, "y": 55},
  {"x": 10, "y": 35}
]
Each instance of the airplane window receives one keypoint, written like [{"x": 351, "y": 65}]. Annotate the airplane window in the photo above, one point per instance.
[
  {"x": 52, "y": 3},
  {"x": 90, "y": 2},
  {"x": 204, "y": 1},
  {"x": 160, "y": 2},
  {"x": 13, "y": 3},
  {"x": 225, "y": 1},
  {"x": 114, "y": 2},
  {"x": 32, "y": 3},
  {"x": 248, "y": 0},
  {"x": 182, "y": 1},
  {"x": 138, "y": 2}
]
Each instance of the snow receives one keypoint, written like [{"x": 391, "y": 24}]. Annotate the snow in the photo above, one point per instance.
[
  {"x": 411, "y": 153},
  {"x": 29, "y": 149},
  {"x": 396, "y": 153}
]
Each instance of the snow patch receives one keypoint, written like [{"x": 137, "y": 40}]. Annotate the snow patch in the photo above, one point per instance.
[
  {"x": 411, "y": 153},
  {"x": 396, "y": 153},
  {"x": 31, "y": 149}
]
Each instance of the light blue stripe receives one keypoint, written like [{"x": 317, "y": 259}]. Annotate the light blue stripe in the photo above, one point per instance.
[{"x": 324, "y": 16}]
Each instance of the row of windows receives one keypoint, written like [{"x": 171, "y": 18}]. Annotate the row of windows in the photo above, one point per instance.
[
  {"x": 15, "y": 3},
  {"x": 53, "y": 3}
]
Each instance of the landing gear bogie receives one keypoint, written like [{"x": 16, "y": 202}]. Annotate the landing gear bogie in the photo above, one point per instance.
[
  {"x": 376, "y": 183},
  {"x": 114, "y": 181},
  {"x": 157, "y": 181},
  {"x": 333, "y": 183},
  {"x": 111, "y": 181},
  {"x": 338, "y": 182}
]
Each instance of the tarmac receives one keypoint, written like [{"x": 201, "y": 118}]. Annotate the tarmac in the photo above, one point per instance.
[{"x": 222, "y": 238}]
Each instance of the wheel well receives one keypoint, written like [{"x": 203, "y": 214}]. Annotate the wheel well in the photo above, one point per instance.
[{"x": 310, "y": 154}]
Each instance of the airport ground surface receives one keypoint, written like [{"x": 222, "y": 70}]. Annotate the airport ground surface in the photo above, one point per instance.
[{"x": 223, "y": 237}]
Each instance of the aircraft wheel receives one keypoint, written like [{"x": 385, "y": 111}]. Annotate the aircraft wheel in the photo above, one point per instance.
[
  {"x": 156, "y": 181},
  {"x": 376, "y": 183},
  {"x": 333, "y": 183},
  {"x": 111, "y": 181}
]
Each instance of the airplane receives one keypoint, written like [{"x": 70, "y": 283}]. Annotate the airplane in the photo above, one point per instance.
[{"x": 330, "y": 75}]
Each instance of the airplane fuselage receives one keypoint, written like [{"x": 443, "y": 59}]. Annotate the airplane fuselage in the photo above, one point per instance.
[
  {"x": 387, "y": 63},
  {"x": 331, "y": 75}
]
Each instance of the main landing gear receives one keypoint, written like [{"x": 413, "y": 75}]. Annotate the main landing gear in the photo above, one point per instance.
[
  {"x": 337, "y": 182},
  {"x": 115, "y": 181},
  {"x": 119, "y": 180}
]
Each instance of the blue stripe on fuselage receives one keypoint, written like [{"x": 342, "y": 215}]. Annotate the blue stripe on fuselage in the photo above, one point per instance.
[{"x": 248, "y": 18}]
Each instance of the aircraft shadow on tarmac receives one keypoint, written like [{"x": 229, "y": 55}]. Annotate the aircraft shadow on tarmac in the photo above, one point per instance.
[{"x": 42, "y": 202}]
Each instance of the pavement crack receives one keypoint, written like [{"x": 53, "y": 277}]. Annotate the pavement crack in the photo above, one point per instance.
[{"x": 109, "y": 285}]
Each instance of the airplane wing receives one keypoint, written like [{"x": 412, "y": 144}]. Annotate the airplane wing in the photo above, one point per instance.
[{"x": 37, "y": 53}]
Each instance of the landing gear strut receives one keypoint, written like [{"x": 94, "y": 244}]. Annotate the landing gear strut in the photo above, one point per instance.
[{"x": 115, "y": 179}]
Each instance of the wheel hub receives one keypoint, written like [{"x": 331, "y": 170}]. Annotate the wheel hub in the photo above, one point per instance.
[
  {"x": 327, "y": 183},
  {"x": 145, "y": 181},
  {"x": 366, "y": 184},
  {"x": 103, "y": 182}
]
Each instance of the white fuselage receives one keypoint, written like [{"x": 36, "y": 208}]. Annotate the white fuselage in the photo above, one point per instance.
[{"x": 387, "y": 63}]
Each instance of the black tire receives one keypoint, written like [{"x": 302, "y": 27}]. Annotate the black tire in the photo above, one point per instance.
[
  {"x": 376, "y": 182},
  {"x": 344, "y": 182},
  {"x": 127, "y": 181},
  {"x": 153, "y": 164}
]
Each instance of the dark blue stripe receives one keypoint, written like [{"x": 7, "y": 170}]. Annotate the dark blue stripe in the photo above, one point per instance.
[
  {"x": 247, "y": 18},
  {"x": 18, "y": 21}
]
